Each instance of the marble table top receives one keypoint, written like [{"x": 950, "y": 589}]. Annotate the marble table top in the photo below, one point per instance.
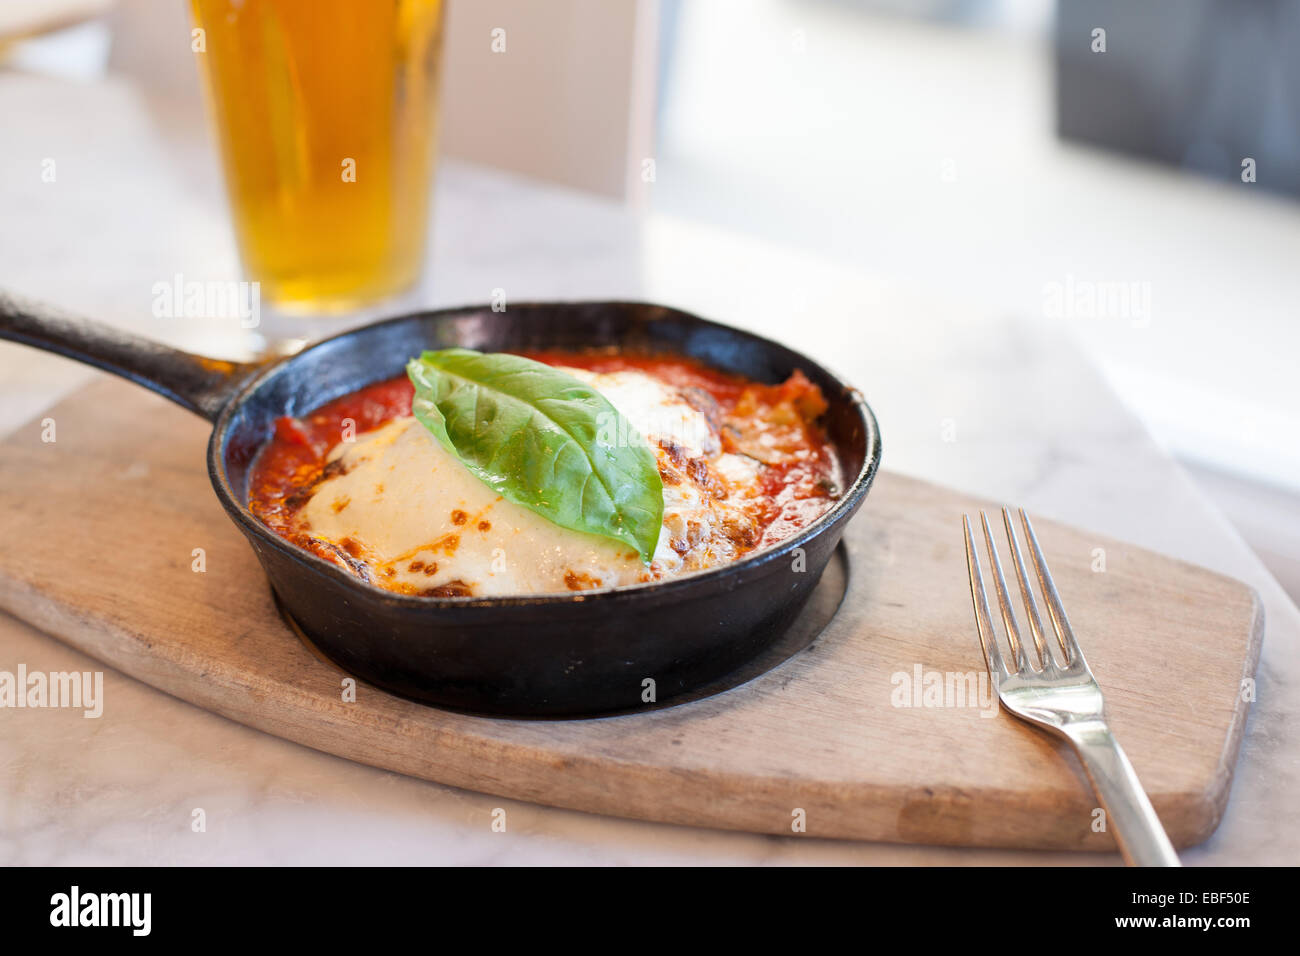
[{"x": 1033, "y": 423}]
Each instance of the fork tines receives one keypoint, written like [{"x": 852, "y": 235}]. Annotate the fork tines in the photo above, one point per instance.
[{"x": 1045, "y": 662}]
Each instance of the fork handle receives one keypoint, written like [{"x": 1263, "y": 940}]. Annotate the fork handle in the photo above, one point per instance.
[{"x": 1141, "y": 838}]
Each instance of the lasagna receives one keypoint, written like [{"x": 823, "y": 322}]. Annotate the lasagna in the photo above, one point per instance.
[{"x": 361, "y": 483}]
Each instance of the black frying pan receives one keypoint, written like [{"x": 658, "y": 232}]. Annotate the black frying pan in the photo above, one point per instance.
[{"x": 584, "y": 653}]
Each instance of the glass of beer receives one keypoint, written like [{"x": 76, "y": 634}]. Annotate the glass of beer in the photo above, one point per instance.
[{"x": 326, "y": 116}]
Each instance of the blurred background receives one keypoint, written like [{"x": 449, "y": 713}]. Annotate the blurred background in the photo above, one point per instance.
[{"x": 1127, "y": 172}]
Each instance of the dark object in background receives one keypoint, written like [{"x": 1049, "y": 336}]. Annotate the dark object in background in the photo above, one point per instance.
[{"x": 1200, "y": 84}]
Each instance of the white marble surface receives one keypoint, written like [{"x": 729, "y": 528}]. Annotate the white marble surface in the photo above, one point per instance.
[{"x": 1035, "y": 425}]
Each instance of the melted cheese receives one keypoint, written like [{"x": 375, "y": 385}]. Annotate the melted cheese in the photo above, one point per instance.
[{"x": 412, "y": 518}]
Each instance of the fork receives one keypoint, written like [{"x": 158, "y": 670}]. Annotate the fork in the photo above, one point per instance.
[{"x": 1061, "y": 697}]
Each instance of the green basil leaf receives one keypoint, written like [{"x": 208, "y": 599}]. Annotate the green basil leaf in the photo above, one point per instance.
[{"x": 541, "y": 438}]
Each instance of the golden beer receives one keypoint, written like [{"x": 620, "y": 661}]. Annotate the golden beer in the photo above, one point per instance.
[{"x": 326, "y": 115}]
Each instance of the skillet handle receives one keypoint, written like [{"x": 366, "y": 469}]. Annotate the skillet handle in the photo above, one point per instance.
[{"x": 203, "y": 385}]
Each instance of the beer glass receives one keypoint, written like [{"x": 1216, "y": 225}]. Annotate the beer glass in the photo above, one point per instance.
[{"x": 326, "y": 117}]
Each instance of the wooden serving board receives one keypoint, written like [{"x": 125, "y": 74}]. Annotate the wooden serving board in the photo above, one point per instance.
[{"x": 100, "y": 526}]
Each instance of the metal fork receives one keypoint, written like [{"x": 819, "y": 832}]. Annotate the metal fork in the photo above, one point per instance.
[{"x": 1061, "y": 696}]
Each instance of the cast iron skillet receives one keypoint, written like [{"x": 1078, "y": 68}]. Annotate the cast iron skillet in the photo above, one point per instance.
[{"x": 572, "y": 654}]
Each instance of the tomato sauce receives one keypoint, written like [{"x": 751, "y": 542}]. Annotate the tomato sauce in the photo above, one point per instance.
[
  {"x": 773, "y": 424},
  {"x": 293, "y": 461}
]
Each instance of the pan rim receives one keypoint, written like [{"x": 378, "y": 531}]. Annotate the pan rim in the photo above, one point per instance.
[{"x": 751, "y": 566}]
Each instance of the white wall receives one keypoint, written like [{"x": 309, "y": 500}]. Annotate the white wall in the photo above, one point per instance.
[{"x": 570, "y": 100}]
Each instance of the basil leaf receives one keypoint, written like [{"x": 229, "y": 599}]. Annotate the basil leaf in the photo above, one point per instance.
[{"x": 542, "y": 439}]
